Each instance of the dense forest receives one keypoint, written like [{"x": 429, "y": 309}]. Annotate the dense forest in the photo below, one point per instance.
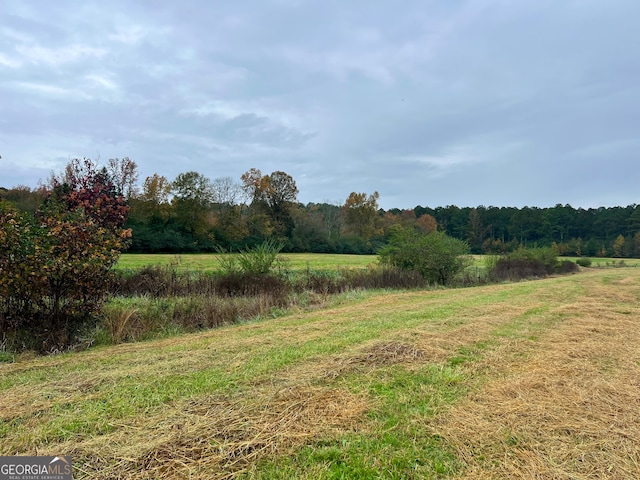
[{"x": 195, "y": 214}]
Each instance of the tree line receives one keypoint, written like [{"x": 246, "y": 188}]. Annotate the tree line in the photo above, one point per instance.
[
  {"x": 193, "y": 213},
  {"x": 603, "y": 232}
]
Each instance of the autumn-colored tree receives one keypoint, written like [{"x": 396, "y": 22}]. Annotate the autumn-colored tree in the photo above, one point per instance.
[
  {"x": 361, "y": 214},
  {"x": 253, "y": 183},
  {"x": 55, "y": 263},
  {"x": 426, "y": 223},
  {"x": 618, "y": 246},
  {"x": 84, "y": 185},
  {"x": 156, "y": 189},
  {"x": 407, "y": 219},
  {"x": 124, "y": 175},
  {"x": 152, "y": 203},
  {"x": 273, "y": 195}
]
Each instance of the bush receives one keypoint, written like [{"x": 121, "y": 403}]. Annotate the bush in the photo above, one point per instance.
[
  {"x": 584, "y": 261},
  {"x": 436, "y": 256},
  {"x": 53, "y": 270},
  {"x": 566, "y": 266},
  {"x": 514, "y": 269},
  {"x": 547, "y": 257},
  {"x": 260, "y": 259},
  {"x": 56, "y": 262},
  {"x": 525, "y": 263}
]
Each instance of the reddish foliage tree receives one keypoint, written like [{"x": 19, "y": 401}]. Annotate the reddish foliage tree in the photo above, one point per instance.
[
  {"x": 55, "y": 263},
  {"x": 87, "y": 187}
]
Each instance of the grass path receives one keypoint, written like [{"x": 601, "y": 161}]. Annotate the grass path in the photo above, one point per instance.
[{"x": 530, "y": 380}]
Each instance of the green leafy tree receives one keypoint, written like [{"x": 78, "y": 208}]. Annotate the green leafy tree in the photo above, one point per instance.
[
  {"x": 438, "y": 257},
  {"x": 192, "y": 202},
  {"x": 151, "y": 217}
]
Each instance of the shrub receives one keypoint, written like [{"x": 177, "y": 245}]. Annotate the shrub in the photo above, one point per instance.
[
  {"x": 52, "y": 273},
  {"x": 545, "y": 256},
  {"x": 524, "y": 263},
  {"x": 584, "y": 261},
  {"x": 566, "y": 266},
  {"x": 513, "y": 269},
  {"x": 227, "y": 262},
  {"x": 56, "y": 262},
  {"x": 436, "y": 256}
]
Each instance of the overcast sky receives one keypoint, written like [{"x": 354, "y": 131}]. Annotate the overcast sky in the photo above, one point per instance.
[{"x": 432, "y": 103}]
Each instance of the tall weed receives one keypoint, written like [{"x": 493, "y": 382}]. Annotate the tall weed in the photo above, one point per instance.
[{"x": 259, "y": 260}]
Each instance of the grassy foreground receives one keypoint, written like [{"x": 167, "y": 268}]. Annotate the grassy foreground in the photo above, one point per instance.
[{"x": 530, "y": 380}]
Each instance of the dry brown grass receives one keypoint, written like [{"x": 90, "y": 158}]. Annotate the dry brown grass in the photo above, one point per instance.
[
  {"x": 213, "y": 437},
  {"x": 571, "y": 408}
]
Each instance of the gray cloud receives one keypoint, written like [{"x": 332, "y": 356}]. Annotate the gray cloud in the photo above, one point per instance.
[{"x": 467, "y": 102}]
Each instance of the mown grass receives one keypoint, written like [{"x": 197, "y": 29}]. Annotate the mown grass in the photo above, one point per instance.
[
  {"x": 363, "y": 389},
  {"x": 395, "y": 443}
]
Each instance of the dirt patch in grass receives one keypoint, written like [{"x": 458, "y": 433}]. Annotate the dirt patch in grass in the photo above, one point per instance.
[
  {"x": 564, "y": 408},
  {"x": 213, "y": 437}
]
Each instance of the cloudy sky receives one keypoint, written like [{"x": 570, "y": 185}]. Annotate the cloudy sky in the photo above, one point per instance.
[{"x": 429, "y": 102}]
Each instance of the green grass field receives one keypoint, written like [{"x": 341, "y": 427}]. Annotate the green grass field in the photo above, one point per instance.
[
  {"x": 598, "y": 262},
  {"x": 528, "y": 380},
  {"x": 206, "y": 262},
  {"x": 299, "y": 262}
]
